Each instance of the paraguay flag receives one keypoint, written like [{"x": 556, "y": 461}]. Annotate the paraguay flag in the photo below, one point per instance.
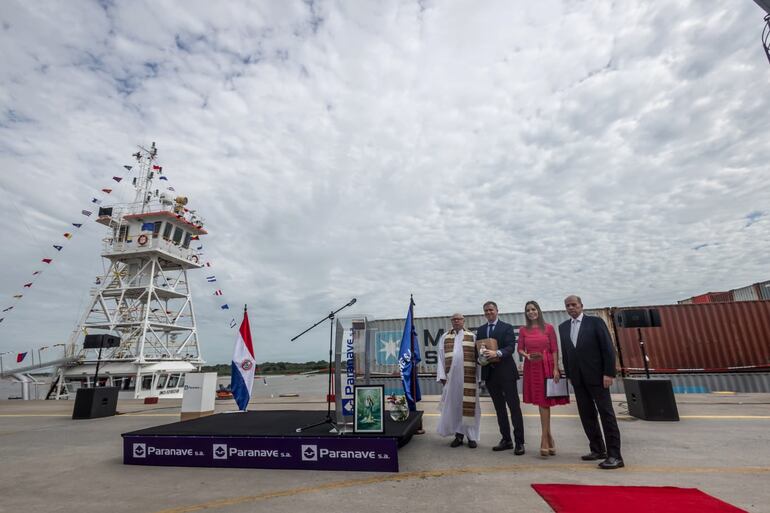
[
  {"x": 408, "y": 358},
  {"x": 242, "y": 373}
]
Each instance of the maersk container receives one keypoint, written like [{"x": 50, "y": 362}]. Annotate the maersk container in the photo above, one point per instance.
[
  {"x": 384, "y": 337},
  {"x": 712, "y": 337}
]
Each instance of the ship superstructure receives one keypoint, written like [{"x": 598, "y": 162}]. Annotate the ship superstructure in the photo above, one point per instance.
[{"x": 144, "y": 297}]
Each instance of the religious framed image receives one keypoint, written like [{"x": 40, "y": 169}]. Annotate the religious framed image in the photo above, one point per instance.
[{"x": 369, "y": 402}]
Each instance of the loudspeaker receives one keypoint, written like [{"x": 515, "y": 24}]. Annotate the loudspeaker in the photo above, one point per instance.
[
  {"x": 638, "y": 318},
  {"x": 92, "y": 403},
  {"x": 102, "y": 340},
  {"x": 650, "y": 399}
]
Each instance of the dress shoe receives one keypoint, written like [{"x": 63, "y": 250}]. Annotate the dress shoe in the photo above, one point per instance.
[
  {"x": 519, "y": 450},
  {"x": 591, "y": 456},
  {"x": 457, "y": 442},
  {"x": 504, "y": 445},
  {"x": 611, "y": 463},
  {"x": 472, "y": 444}
]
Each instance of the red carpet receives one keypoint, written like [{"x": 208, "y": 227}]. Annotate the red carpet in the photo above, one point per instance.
[{"x": 566, "y": 498}]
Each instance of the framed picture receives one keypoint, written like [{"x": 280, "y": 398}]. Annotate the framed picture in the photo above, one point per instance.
[{"x": 369, "y": 403}]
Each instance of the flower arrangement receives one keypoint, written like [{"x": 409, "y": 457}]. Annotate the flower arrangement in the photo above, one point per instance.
[{"x": 399, "y": 410}]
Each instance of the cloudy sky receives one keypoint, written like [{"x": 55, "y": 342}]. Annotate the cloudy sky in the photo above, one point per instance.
[{"x": 459, "y": 151}]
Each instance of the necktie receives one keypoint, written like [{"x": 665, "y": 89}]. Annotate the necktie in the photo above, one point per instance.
[
  {"x": 490, "y": 327},
  {"x": 574, "y": 332}
]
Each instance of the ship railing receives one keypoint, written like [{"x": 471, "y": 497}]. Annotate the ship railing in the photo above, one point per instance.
[
  {"x": 117, "y": 211},
  {"x": 156, "y": 243}
]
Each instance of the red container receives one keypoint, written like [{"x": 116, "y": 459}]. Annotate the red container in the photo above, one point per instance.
[
  {"x": 710, "y": 337},
  {"x": 713, "y": 297}
]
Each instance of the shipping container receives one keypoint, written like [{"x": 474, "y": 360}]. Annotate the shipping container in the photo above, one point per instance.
[
  {"x": 712, "y": 337},
  {"x": 713, "y": 297},
  {"x": 749, "y": 293},
  {"x": 764, "y": 289}
]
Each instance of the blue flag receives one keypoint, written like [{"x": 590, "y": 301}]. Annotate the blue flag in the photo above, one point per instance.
[
  {"x": 148, "y": 227},
  {"x": 408, "y": 358}
]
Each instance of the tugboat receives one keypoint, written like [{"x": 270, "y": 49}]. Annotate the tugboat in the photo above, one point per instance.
[{"x": 144, "y": 296}]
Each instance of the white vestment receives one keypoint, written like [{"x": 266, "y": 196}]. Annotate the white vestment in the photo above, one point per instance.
[{"x": 451, "y": 405}]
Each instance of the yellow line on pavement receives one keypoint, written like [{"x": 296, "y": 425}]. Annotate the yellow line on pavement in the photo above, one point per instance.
[
  {"x": 424, "y": 474},
  {"x": 35, "y": 415},
  {"x": 574, "y": 416}
]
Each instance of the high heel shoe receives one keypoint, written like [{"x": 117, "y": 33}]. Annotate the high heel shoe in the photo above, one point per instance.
[
  {"x": 544, "y": 451},
  {"x": 552, "y": 448}
]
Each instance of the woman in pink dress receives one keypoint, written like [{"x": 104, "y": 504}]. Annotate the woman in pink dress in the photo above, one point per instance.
[{"x": 537, "y": 344}]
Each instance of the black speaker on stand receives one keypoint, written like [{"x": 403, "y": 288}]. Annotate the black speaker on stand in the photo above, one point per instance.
[
  {"x": 648, "y": 399},
  {"x": 95, "y": 402}
]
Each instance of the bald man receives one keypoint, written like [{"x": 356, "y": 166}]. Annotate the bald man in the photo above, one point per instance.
[{"x": 589, "y": 363}]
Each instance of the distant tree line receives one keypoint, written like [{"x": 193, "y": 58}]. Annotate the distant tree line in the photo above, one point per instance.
[{"x": 223, "y": 369}]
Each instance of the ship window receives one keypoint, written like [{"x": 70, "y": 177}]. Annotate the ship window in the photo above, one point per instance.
[
  {"x": 187, "y": 237},
  {"x": 181, "y": 381},
  {"x": 146, "y": 382},
  {"x": 156, "y": 229},
  {"x": 162, "y": 380},
  {"x": 167, "y": 231},
  {"x": 178, "y": 235},
  {"x": 123, "y": 233},
  {"x": 173, "y": 381}
]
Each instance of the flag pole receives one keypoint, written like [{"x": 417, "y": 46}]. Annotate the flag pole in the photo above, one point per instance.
[{"x": 413, "y": 377}]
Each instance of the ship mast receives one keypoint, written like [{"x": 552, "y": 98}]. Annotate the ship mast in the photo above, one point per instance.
[{"x": 145, "y": 296}]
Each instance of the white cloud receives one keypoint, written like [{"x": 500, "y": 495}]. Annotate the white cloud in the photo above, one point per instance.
[{"x": 451, "y": 150}]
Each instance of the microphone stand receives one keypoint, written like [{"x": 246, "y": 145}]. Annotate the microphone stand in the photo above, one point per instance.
[
  {"x": 328, "y": 419},
  {"x": 644, "y": 353}
]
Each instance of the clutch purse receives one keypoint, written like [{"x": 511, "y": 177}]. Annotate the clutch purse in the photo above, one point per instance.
[
  {"x": 553, "y": 389},
  {"x": 486, "y": 343}
]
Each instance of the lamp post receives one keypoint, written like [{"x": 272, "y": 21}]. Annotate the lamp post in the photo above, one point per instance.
[
  {"x": 65, "y": 348},
  {"x": 39, "y": 362}
]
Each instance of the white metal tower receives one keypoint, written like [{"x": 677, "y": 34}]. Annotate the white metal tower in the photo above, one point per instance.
[{"x": 144, "y": 297}]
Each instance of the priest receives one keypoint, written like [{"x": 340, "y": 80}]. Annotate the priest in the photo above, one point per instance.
[{"x": 459, "y": 374}]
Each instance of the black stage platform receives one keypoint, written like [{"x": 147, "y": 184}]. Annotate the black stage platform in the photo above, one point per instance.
[{"x": 268, "y": 439}]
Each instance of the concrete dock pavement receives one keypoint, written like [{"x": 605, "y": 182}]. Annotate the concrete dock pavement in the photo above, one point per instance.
[{"x": 50, "y": 463}]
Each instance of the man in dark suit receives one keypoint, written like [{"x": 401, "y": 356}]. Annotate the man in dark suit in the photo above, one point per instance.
[
  {"x": 500, "y": 378},
  {"x": 589, "y": 362}
]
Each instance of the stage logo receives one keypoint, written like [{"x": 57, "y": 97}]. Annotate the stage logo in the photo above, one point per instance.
[
  {"x": 219, "y": 451},
  {"x": 309, "y": 452},
  {"x": 140, "y": 451},
  {"x": 387, "y": 345}
]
